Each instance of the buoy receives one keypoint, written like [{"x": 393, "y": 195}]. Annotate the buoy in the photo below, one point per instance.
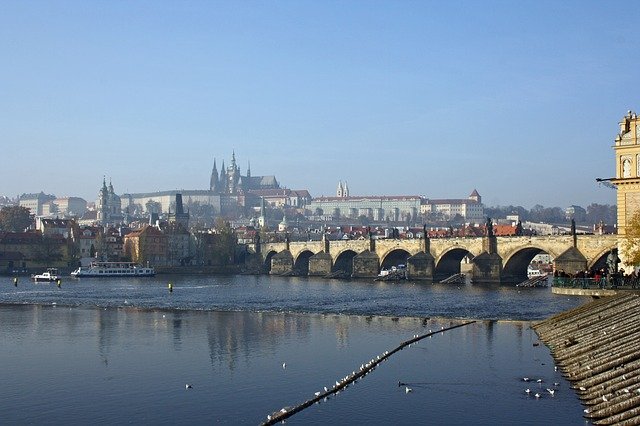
[
  {"x": 170, "y": 288},
  {"x": 59, "y": 282}
]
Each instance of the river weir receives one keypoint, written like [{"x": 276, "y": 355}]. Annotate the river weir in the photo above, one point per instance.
[{"x": 596, "y": 346}]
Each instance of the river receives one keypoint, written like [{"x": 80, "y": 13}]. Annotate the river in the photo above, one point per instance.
[{"x": 122, "y": 351}]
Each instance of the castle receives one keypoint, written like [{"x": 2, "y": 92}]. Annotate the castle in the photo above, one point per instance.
[{"x": 231, "y": 182}]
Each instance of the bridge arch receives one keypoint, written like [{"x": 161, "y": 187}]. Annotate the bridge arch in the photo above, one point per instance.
[
  {"x": 394, "y": 258},
  {"x": 301, "y": 263},
  {"x": 449, "y": 262},
  {"x": 600, "y": 261},
  {"x": 514, "y": 269},
  {"x": 344, "y": 262},
  {"x": 267, "y": 260}
]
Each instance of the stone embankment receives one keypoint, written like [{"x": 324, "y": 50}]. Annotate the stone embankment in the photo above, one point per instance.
[{"x": 597, "y": 348}]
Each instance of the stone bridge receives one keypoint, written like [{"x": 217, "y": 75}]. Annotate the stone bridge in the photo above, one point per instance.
[{"x": 488, "y": 259}]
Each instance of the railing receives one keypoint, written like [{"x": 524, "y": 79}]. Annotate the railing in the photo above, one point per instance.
[{"x": 611, "y": 283}]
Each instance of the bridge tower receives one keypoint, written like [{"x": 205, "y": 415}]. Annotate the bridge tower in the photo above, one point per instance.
[{"x": 627, "y": 180}]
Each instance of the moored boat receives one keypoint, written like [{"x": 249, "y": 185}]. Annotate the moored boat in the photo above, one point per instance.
[
  {"x": 113, "y": 269},
  {"x": 50, "y": 275}
]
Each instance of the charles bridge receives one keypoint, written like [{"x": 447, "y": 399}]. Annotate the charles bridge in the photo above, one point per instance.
[{"x": 489, "y": 258}]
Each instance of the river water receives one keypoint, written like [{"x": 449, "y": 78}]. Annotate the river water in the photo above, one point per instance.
[{"x": 122, "y": 351}]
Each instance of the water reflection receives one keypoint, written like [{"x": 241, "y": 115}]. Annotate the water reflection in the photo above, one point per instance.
[{"x": 124, "y": 365}]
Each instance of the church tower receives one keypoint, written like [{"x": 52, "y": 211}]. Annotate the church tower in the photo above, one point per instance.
[
  {"x": 103, "y": 203},
  {"x": 627, "y": 180},
  {"x": 213, "y": 183},
  {"x": 339, "y": 191}
]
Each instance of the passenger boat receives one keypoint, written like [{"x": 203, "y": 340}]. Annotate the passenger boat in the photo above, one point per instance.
[
  {"x": 113, "y": 269},
  {"x": 50, "y": 275}
]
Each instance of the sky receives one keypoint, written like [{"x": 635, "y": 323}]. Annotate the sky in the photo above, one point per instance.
[{"x": 519, "y": 100}]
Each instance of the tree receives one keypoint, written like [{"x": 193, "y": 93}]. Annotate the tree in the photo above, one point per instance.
[
  {"x": 49, "y": 249},
  {"x": 224, "y": 246},
  {"x": 364, "y": 220},
  {"x": 630, "y": 243},
  {"x": 15, "y": 218}
]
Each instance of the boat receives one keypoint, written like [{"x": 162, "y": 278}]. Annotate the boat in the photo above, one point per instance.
[
  {"x": 394, "y": 273},
  {"x": 113, "y": 269},
  {"x": 533, "y": 273},
  {"x": 50, "y": 275}
]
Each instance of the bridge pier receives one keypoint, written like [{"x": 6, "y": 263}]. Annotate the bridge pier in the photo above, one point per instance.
[
  {"x": 420, "y": 266},
  {"x": 570, "y": 261},
  {"x": 366, "y": 265},
  {"x": 282, "y": 263},
  {"x": 487, "y": 267},
  {"x": 320, "y": 264}
]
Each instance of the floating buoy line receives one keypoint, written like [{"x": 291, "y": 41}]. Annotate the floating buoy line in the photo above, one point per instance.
[{"x": 363, "y": 370}]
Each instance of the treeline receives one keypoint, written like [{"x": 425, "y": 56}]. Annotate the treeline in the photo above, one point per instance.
[{"x": 593, "y": 214}]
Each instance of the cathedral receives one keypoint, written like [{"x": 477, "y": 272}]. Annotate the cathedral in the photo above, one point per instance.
[{"x": 231, "y": 182}]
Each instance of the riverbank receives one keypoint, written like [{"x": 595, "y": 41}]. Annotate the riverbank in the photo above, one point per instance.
[{"x": 596, "y": 348}]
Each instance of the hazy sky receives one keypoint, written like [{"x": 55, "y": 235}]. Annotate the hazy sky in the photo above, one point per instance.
[{"x": 519, "y": 99}]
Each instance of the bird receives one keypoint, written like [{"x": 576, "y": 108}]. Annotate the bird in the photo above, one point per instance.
[
  {"x": 537, "y": 395},
  {"x": 556, "y": 384},
  {"x": 539, "y": 380},
  {"x": 582, "y": 388},
  {"x": 604, "y": 398},
  {"x": 407, "y": 389},
  {"x": 268, "y": 416},
  {"x": 525, "y": 379},
  {"x": 527, "y": 391},
  {"x": 325, "y": 389},
  {"x": 555, "y": 368},
  {"x": 317, "y": 394},
  {"x": 284, "y": 365},
  {"x": 283, "y": 411},
  {"x": 188, "y": 386},
  {"x": 551, "y": 391}
]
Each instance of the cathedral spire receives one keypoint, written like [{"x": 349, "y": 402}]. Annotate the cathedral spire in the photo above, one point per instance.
[
  {"x": 248, "y": 168},
  {"x": 213, "y": 183}
]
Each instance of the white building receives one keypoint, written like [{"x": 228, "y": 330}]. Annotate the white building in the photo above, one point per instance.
[{"x": 470, "y": 209}]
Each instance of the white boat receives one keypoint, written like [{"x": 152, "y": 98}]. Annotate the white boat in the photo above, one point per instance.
[
  {"x": 113, "y": 269},
  {"x": 51, "y": 275},
  {"x": 533, "y": 273}
]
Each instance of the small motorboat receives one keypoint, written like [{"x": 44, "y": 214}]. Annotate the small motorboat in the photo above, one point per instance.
[{"x": 50, "y": 275}]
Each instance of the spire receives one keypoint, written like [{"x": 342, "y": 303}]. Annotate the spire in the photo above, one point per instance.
[
  {"x": 248, "y": 168},
  {"x": 233, "y": 159},
  {"x": 339, "y": 190},
  {"x": 345, "y": 189},
  {"x": 213, "y": 182}
]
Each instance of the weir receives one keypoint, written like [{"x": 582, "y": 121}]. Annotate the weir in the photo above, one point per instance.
[{"x": 364, "y": 369}]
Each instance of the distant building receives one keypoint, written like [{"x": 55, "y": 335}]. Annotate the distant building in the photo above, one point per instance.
[
  {"x": 229, "y": 194},
  {"x": 231, "y": 182},
  {"x": 147, "y": 245},
  {"x": 70, "y": 206},
  {"x": 179, "y": 216},
  {"x": 379, "y": 208},
  {"x": 109, "y": 206},
  {"x": 39, "y": 204},
  {"x": 470, "y": 209},
  {"x": 343, "y": 190}
]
